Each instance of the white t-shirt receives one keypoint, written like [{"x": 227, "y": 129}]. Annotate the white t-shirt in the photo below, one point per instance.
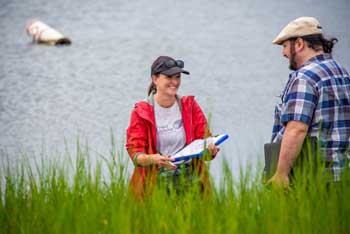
[{"x": 170, "y": 130}]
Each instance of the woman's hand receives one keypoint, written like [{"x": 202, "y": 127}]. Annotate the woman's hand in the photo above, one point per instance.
[
  {"x": 213, "y": 149},
  {"x": 157, "y": 159}
]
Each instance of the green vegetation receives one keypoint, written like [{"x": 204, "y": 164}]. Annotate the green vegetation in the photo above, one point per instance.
[{"x": 53, "y": 199}]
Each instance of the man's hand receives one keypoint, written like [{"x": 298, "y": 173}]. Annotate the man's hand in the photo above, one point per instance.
[
  {"x": 292, "y": 141},
  {"x": 278, "y": 181}
]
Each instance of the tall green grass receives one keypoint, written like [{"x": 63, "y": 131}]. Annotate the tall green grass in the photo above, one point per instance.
[{"x": 54, "y": 199}]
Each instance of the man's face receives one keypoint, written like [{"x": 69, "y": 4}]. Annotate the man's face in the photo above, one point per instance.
[{"x": 288, "y": 51}]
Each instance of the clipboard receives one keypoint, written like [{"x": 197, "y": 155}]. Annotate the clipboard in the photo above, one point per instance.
[
  {"x": 308, "y": 153},
  {"x": 197, "y": 148},
  {"x": 272, "y": 151}
]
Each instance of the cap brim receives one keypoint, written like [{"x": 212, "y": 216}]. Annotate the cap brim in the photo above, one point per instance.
[
  {"x": 278, "y": 41},
  {"x": 174, "y": 70}
]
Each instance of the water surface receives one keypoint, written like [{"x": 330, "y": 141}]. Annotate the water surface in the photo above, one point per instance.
[{"x": 51, "y": 95}]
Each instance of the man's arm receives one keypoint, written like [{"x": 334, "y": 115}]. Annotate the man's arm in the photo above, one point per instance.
[{"x": 292, "y": 141}]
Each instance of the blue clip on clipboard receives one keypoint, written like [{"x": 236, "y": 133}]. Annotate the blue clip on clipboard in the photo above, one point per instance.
[{"x": 196, "y": 148}]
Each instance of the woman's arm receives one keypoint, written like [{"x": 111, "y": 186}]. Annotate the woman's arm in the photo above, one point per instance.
[
  {"x": 155, "y": 159},
  {"x": 200, "y": 124},
  {"x": 137, "y": 143},
  {"x": 136, "y": 136},
  {"x": 201, "y": 128}
]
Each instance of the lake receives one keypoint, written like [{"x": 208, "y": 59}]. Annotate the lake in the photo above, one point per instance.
[{"x": 50, "y": 96}]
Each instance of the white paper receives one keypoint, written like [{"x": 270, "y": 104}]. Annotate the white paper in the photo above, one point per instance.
[{"x": 196, "y": 147}]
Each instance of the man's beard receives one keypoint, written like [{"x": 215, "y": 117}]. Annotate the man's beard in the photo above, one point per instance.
[{"x": 292, "y": 62}]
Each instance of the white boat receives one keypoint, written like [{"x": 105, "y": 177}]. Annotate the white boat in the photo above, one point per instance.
[{"x": 42, "y": 33}]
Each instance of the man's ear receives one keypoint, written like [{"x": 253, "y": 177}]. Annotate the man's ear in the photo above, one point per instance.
[{"x": 299, "y": 44}]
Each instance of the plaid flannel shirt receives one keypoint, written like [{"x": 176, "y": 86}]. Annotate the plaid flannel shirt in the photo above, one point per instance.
[{"x": 318, "y": 94}]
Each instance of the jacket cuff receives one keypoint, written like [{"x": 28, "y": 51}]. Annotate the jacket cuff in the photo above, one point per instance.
[{"x": 136, "y": 155}]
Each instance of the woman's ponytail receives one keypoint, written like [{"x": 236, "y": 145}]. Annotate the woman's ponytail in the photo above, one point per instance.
[{"x": 152, "y": 88}]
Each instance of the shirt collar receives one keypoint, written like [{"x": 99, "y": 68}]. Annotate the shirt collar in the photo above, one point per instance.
[{"x": 318, "y": 58}]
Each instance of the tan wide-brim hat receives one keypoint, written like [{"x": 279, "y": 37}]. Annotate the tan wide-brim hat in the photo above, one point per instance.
[{"x": 299, "y": 27}]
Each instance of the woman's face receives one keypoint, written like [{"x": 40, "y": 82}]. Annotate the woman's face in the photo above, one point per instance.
[{"x": 167, "y": 85}]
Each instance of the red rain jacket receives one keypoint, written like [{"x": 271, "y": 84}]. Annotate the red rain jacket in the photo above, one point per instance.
[{"x": 142, "y": 138}]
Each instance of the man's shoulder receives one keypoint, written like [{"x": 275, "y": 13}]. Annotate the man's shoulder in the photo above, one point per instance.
[{"x": 312, "y": 73}]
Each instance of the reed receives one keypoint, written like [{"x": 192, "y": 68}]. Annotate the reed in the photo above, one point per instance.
[{"x": 53, "y": 198}]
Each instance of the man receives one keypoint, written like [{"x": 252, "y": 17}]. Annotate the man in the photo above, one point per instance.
[{"x": 315, "y": 101}]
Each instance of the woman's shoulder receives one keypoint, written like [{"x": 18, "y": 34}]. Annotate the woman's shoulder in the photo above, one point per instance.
[
  {"x": 189, "y": 102},
  {"x": 142, "y": 110},
  {"x": 187, "y": 98},
  {"x": 142, "y": 105}
]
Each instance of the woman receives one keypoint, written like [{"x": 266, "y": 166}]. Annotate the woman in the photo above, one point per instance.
[{"x": 163, "y": 124}]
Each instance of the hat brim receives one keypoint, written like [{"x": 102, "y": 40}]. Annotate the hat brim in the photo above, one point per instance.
[{"x": 173, "y": 71}]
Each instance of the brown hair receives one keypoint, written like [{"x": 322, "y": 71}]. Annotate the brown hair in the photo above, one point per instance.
[
  {"x": 318, "y": 42},
  {"x": 152, "y": 88}
]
